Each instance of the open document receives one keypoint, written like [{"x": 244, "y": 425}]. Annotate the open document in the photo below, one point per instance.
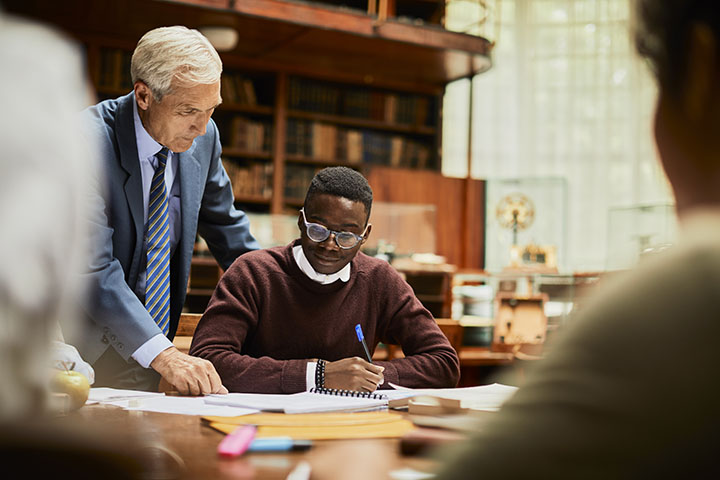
[
  {"x": 304, "y": 402},
  {"x": 484, "y": 397}
]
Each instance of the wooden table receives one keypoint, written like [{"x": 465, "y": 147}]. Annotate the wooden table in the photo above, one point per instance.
[{"x": 196, "y": 443}]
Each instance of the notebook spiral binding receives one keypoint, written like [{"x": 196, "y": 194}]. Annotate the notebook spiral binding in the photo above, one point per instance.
[{"x": 348, "y": 393}]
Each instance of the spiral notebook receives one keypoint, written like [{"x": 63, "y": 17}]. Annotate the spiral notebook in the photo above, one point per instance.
[
  {"x": 316, "y": 400},
  {"x": 348, "y": 393}
]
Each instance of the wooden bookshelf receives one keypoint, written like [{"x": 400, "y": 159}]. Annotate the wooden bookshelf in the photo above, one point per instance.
[{"x": 348, "y": 76}]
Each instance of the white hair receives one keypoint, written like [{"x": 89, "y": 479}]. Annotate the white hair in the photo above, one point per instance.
[{"x": 174, "y": 53}]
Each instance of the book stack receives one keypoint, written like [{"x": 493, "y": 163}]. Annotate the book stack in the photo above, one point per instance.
[
  {"x": 324, "y": 141},
  {"x": 114, "y": 71},
  {"x": 327, "y": 142},
  {"x": 238, "y": 89},
  {"x": 250, "y": 135},
  {"x": 360, "y": 102},
  {"x": 313, "y": 96},
  {"x": 297, "y": 180},
  {"x": 299, "y": 138},
  {"x": 251, "y": 179}
]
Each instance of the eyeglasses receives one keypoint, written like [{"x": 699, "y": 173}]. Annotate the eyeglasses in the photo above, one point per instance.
[{"x": 319, "y": 233}]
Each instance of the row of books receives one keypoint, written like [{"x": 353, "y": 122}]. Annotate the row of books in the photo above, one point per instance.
[
  {"x": 251, "y": 179},
  {"x": 329, "y": 142},
  {"x": 237, "y": 88},
  {"x": 297, "y": 180},
  {"x": 249, "y": 135},
  {"x": 114, "y": 69},
  {"x": 360, "y": 102}
]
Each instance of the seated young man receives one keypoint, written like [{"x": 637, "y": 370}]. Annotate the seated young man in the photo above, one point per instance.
[{"x": 279, "y": 313}]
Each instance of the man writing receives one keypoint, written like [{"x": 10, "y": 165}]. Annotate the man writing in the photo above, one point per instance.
[
  {"x": 283, "y": 320},
  {"x": 163, "y": 182}
]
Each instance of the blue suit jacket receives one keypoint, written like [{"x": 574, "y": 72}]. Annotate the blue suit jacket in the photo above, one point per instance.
[{"x": 118, "y": 318}]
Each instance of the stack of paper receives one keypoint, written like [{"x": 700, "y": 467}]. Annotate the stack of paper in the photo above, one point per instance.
[
  {"x": 484, "y": 397},
  {"x": 319, "y": 426}
]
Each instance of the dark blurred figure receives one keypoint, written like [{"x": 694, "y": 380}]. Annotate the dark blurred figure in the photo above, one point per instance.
[
  {"x": 631, "y": 388},
  {"x": 44, "y": 175}
]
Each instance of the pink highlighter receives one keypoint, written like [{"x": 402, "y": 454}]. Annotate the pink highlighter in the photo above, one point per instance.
[{"x": 236, "y": 442}]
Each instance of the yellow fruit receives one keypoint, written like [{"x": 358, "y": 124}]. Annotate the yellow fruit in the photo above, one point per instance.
[{"x": 74, "y": 384}]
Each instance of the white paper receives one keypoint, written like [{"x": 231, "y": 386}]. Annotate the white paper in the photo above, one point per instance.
[
  {"x": 410, "y": 474},
  {"x": 185, "y": 406},
  {"x": 304, "y": 402},
  {"x": 107, "y": 395},
  {"x": 484, "y": 397},
  {"x": 159, "y": 402}
]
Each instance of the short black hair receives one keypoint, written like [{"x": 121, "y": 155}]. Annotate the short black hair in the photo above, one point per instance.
[
  {"x": 662, "y": 33},
  {"x": 341, "y": 182}
]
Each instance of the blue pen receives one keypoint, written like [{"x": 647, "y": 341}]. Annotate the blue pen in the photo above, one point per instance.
[
  {"x": 278, "y": 444},
  {"x": 361, "y": 338}
]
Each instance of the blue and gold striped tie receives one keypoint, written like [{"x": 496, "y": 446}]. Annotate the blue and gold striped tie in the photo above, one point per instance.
[{"x": 157, "y": 281}]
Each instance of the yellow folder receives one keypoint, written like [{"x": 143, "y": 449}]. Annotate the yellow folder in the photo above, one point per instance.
[{"x": 319, "y": 426}]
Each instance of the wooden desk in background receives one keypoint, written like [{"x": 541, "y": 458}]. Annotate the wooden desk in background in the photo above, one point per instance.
[{"x": 196, "y": 444}]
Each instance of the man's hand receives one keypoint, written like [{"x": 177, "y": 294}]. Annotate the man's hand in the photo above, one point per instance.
[
  {"x": 188, "y": 375},
  {"x": 353, "y": 374}
]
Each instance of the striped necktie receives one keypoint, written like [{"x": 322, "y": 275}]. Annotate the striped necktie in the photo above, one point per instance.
[{"x": 157, "y": 281}]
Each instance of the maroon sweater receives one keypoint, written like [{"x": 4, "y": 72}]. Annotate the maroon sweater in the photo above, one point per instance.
[{"x": 267, "y": 318}]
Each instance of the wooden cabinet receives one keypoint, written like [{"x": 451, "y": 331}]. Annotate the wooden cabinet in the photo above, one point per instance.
[
  {"x": 309, "y": 85},
  {"x": 433, "y": 289},
  {"x": 205, "y": 274}
]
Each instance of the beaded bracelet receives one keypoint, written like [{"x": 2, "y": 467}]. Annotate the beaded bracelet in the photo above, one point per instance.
[{"x": 320, "y": 374}]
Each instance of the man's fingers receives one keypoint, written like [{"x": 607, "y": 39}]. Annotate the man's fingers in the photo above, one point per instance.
[
  {"x": 202, "y": 378},
  {"x": 214, "y": 378},
  {"x": 377, "y": 369},
  {"x": 181, "y": 385},
  {"x": 215, "y": 384}
]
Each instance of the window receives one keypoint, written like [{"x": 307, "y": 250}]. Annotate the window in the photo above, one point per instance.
[{"x": 566, "y": 97}]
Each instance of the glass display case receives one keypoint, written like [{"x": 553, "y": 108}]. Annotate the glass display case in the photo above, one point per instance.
[
  {"x": 402, "y": 229},
  {"x": 272, "y": 230},
  {"x": 526, "y": 224},
  {"x": 639, "y": 230}
]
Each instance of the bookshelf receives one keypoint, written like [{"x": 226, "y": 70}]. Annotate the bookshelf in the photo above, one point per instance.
[{"x": 309, "y": 85}]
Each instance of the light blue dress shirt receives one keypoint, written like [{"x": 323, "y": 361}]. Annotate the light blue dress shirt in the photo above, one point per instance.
[{"x": 147, "y": 149}]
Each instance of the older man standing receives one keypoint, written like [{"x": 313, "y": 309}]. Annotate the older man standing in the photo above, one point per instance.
[{"x": 163, "y": 183}]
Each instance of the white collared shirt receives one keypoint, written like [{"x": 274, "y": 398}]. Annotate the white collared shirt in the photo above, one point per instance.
[{"x": 307, "y": 269}]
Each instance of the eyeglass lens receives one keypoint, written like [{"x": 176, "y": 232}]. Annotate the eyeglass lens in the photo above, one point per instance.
[{"x": 319, "y": 233}]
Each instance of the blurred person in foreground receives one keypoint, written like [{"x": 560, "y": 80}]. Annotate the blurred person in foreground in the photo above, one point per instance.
[
  {"x": 44, "y": 176},
  {"x": 164, "y": 183},
  {"x": 45, "y": 172},
  {"x": 631, "y": 389}
]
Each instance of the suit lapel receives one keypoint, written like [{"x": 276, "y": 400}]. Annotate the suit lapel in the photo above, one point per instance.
[
  {"x": 191, "y": 191},
  {"x": 130, "y": 162}
]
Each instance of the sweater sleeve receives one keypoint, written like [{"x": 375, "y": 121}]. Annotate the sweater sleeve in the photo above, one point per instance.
[
  {"x": 430, "y": 361},
  {"x": 231, "y": 318}
]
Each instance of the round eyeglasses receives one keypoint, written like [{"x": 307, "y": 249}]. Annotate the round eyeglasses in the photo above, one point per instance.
[{"x": 319, "y": 233}]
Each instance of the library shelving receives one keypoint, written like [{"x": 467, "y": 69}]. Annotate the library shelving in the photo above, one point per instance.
[{"x": 307, "y": 86}]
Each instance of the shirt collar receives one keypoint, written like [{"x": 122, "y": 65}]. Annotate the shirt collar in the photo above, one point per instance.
[
  {"x": 146, "y": 145},
  {"x": 307, "y": 269}
]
